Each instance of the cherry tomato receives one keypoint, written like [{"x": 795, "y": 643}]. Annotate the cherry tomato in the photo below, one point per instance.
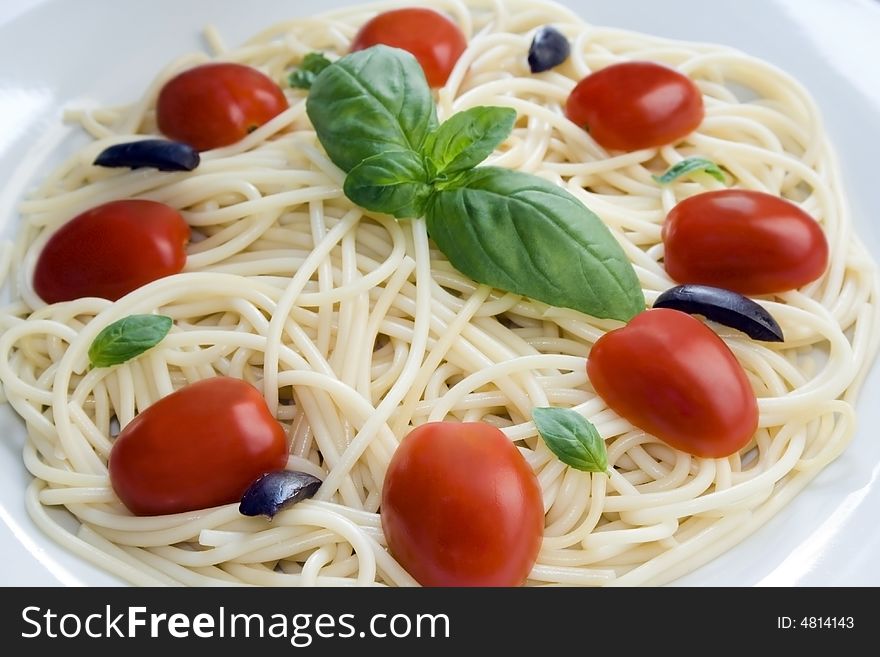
[
  {"x": 461, "y": 507},
  {"x": 110, "y": 250},
  {"x": 745, "y": 241},
  {"x": 669, "y": 374},
  {"x": 199, "y": 447},
  {"x": 215, "y": 105},
  {"x": 635, "y": 105},
  {"x": 434, "y": 40}
]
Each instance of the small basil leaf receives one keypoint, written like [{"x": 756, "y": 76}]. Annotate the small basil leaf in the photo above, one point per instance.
[
  {"x": 523, "y": 234},
  {"x": 572, "y": 438},
  {"x": 370, "y": 102},
  {"x": 690, "y": 165},
  {"x": 467, "y": 138},
  {"x": 304, "y": 76},
  {"x": 394, "y": 183},
  {"x": 127, "y": 338}
]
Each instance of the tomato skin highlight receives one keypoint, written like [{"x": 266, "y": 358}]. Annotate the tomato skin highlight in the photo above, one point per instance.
[
  {"x": 434, "y": 40},
  {"x": 672, "y": 376},
  {"x": 742, "y": 240},
  {"x": 199, "y": 447},
  {"x": 217, "y": 104},
  {"x": 462, "y": 507},
  {"x": 634, "y": 105},
  {"x": 110, "y": 250}
]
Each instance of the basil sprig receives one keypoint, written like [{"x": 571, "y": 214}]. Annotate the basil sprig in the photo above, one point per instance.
[
  {"x": 572, "y": 438},
  {"x": 127, "y": 338},
  {"x": 688, "y": 166},
  {"x": 375, "y": 116},
  {"x": 311, "y": 65}
]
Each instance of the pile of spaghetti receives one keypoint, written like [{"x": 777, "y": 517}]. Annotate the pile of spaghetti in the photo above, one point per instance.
[{"x": 357, "y": 330}]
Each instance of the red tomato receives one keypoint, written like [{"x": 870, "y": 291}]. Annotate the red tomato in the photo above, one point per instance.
[
  {"x": 461, "y": 507},
  {"x": 110, "y": 250},
  {"x": 635, "y": 105},
  {"x": 745, "y": 241},
  {"x": 434, "y": 40},
  {"x": 215, "y": 105},
  {"x": 669, "y": 374},
  {"x": 199, "y": 447}
]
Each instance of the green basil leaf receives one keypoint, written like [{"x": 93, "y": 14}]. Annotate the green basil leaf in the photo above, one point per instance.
[
  {"x": 304, "y": 76},
  {"x": 690, "y": 165},
  {"x": 572, "y": 438},
  {"x": 523, "y": 234},
  {"x": 128, "y": 337},
  {"x": 370, "y": 102},
  {"x": 394, "y": 182},
  {"x": 467, "y": 138}
]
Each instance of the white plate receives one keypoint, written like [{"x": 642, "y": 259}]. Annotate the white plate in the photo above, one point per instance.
[{"x": 53, "y": 52}]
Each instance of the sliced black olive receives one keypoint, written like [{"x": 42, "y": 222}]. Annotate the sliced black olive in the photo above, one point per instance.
[
  {"x": 275, "y": 490},
  {"x": 725, "y": 307},
  {"x": 161, "y": 154},
  {"x": 549, "y": 48}
]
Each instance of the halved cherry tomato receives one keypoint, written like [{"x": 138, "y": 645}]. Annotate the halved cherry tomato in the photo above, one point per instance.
[
  {"x": 215, "y": 105},
  {"x": 669, "y": 374},
  {"x": 434, "y": 40},
  {"x": 461, "y": 507},
  {"x": 746, "y": 241},
  {"x": 635, "y": 105},
  {"x": 110, "y": 250},
  {"x": 199, "y": 447}
]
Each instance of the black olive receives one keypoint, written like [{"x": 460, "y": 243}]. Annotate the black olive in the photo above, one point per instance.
[
  {"x": 161, "y": 154},
  {"x": 275, "y": 490},
  {"x": 725, "y": 307},
  {"x": 549, "y": 48}
]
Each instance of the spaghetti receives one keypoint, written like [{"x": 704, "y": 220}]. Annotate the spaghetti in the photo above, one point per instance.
[{"x": 357, "y": 330}]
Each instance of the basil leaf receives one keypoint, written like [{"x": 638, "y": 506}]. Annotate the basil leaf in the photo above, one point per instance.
[
  {"x": 572, "y": 438},
  {"x": 369, "y": 102},
  {"x": 523, "y": 234},
  {"x": 304, "y": 76},
  {"x": 467, "y": 138},
  {"x": 394, "y": 182},
  {"x": 128, "y": 337},
  {"x": 690, "y": 165}
]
